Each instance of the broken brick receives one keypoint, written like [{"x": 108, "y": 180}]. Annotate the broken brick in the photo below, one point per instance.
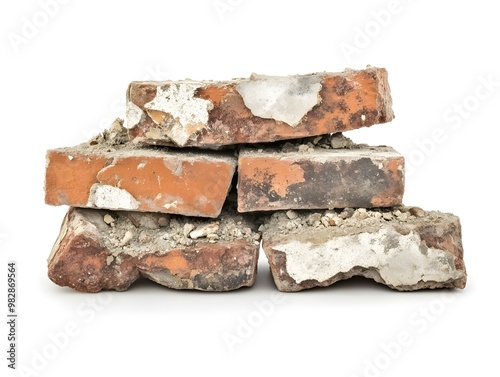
[
  {"x": 319, "y": 178},
  {"x": 125, "y": 177},
  {"x": 258, "y": 109},
  {"x": 396, "y": 248},
  {"x": 106, "y": 250}
]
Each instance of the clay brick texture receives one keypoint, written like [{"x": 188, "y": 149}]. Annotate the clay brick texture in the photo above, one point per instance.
[
  {"x": 406, "y": 248},
  {"x": 127, "y": 178},
  {"x": 320, "y": 179},
  {"x": 102, "y": 250},
  {"x": 158, "y": 196},
  {"x": 258, "y": 109}
]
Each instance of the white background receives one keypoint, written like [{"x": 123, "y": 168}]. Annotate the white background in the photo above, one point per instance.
[{"x": 65, "y": 80}]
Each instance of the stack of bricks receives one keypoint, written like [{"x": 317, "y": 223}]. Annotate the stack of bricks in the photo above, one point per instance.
[{"x": 201, "y": 175}]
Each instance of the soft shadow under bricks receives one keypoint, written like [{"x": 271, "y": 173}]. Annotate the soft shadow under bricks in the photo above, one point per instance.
[{"x": 149, "y": 200}]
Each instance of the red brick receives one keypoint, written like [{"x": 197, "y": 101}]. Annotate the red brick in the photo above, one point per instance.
[
  {"x": 102, "y": 250},
  {"x": 319, "y": 179},
  {"x": 404, "y": 251},
  {"x": 129, "y": 178},
  {"x": 259, "y": 109}
]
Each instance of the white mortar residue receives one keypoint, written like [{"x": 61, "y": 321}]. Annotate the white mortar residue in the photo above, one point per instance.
[
  {"x": 106, "y": 196},
  {"x": 400, "y": 259},
  {"x": 189, "y": 112},
  {"x": 285, "y": 99},
  {"x": 133, "y": 115}
]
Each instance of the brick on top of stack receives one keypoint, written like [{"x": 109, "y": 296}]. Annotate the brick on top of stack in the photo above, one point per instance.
[{"x": 260, "y": 109}]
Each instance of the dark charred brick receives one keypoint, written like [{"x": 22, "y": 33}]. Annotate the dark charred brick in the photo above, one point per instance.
[{"x": 320, "y": 179}]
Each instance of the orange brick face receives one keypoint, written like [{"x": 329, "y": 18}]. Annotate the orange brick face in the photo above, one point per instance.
[
  {"x": 140, "y": 180},
  {"x": 362, "y": 177},
  {"x": 260, "y": 109}
]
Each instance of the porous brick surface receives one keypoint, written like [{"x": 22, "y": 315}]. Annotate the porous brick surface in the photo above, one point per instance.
[
  {"x": 111, "y": 175},
  {"x": 258, "y": 109},
  {"x": 318, "y": 178},
  {"x": 406, "y": 248},
  {"x": 109, "y": 250}
]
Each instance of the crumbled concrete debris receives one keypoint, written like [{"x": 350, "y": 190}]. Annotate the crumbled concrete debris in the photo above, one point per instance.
[
  {"x": 110, "y": 260},
  {"x": 416, "y": 211},
  {"x": 403, "y": 216},
  {"x": 359, "y": 218},
  {"x": 163, "y": 221},
  {"x": 108, "y": 219},
  {"x": 314, "y": 219},
  {"x": 310, "y": 144},
  {"x": 362, "y": 214},
  {"x": 115, "y": 135},
  {"x": 188, "y": 227},
  {"x": 338, "y": 141},
  {"x": 127, "y": 237},
  {"x": 387, "y": 216},
  {"x": 346, "y": 213},
  {"x": 401, "y": 248},
  {"x": 204, "y": 231},
  {"x": 131, "y": 230},
  {"x": 149, "y": 222},
  {"x": 305, "y": 148}
]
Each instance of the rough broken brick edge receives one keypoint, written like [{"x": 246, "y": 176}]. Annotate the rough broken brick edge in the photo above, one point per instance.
[
  {"x": 217, "y": 113},
  {"x": 414, "y": 236},
  {"x": 83, "y": 259}
]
